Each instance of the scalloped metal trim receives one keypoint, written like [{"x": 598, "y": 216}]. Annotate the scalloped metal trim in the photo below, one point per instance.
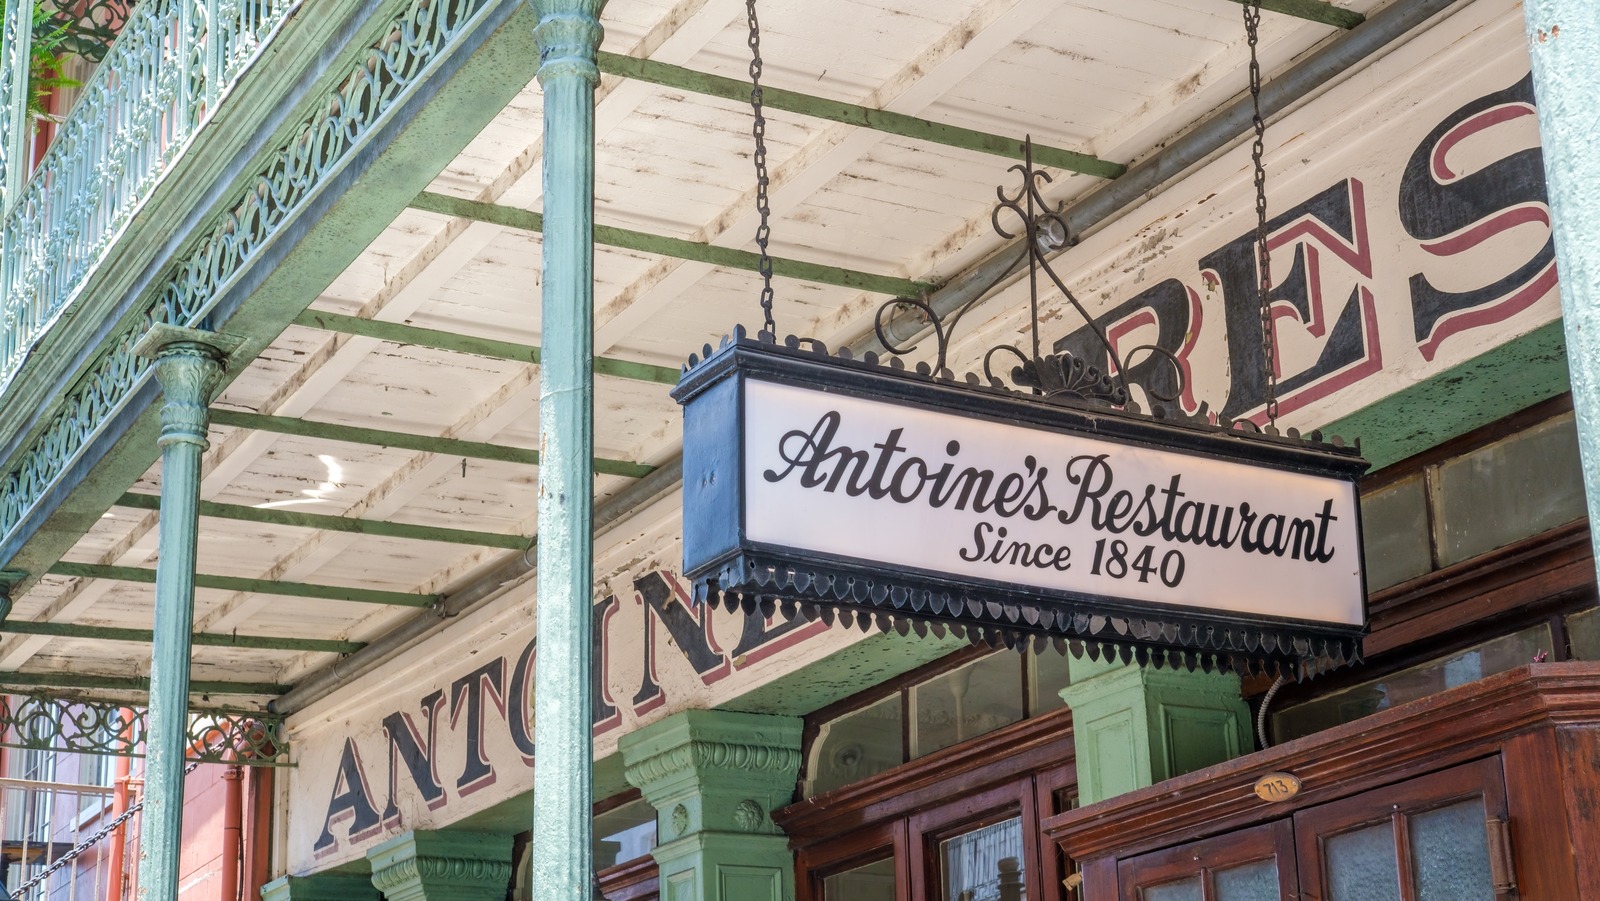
[{"x": 747, "y": 582}]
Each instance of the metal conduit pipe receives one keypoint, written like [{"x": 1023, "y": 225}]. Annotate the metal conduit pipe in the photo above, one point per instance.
[
  {"x": 1190, "y": 149},
  {"x": 508, "y": 573},
  {"x": 1185, "y": 151}
]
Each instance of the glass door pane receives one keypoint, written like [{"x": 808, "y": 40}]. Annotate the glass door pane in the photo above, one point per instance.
[
  {"x": 1255, "y": 881},
  {"x": 984, "y": 864},
  {"x": 1450, "y": 853},
  {"x": 868, "y": 882},
  {"x": 1362, "y": 865},
  {"x": 1180, "y": 890}
]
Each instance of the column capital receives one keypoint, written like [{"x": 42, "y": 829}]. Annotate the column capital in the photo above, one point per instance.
[
  {"x": 455, "y": 866},
  {"x": 321, "y": 887},
  {"x": 568, "y": 35},
  {"x": 715, "y": 769},
  {"x": 1135, "y": 726},
  {"x": 189, "y": 364},
  {"x": 9, "y": 579}
]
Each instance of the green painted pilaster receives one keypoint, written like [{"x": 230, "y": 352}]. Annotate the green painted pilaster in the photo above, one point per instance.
[
  {"x": 562, "y": 860},
  {"x": 322, "y": 887},
  {"x": 1564, "y": 41},
  {"x": 424, "y": 865},
  {"x": 189, "y": 366},
  {"x": 714, "y": 778},
  {"x": 1135, "y": 726}
]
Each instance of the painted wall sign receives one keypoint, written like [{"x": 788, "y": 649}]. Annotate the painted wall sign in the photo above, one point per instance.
[
  {"x": 845, "y": 484},
  {"x": 461, "y": 739}
]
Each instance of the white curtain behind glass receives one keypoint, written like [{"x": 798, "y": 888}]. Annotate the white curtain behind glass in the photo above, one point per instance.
[{"x": 973, "y": 863}]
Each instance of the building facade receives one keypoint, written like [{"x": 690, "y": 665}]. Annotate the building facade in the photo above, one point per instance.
[{"x": 275, "y": 279}]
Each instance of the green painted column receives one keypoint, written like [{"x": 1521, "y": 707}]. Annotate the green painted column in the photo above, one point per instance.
[
  {"x": 714, "y": 778},
  {"x": 16, "y": 42},
  {"x": 424, "y": 865},
  {"x": 321, "y": 887},
  {"x": 1136, "y": 726},
  {"x": 1564, "y": 41},
  {"x": 189, "y": 366},
  {"x": 562, "y": 864}
]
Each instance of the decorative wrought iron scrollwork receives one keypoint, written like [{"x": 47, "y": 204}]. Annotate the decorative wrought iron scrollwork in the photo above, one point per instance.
[
  {"x": 47, "y": 722},
  {"x": 1061, "y": 377}
]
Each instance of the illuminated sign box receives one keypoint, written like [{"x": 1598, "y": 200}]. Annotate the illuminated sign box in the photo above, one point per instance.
[{"x": 892, "y": 495}]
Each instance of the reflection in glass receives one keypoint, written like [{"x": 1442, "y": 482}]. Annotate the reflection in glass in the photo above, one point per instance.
[
  {"x": 1394, "y": 523},
  {"x": 984, "y": 864},
  {"x": 1516, "y": 487},
  {"x": 624, "y": 833},
  {"x": 1362, "y": 865},
  {"x": 854, "y": 746},
  {"x": 1450, "y": 853},
  {"x": 1047, "y": 675},
  {"x": 870, "y": 882},
  {"x": 1181, "y": 890},
  {"x": 964, "y": 703},
  {"x": 1257, "y": 881},
  {"x": 1493, "y": 656}
]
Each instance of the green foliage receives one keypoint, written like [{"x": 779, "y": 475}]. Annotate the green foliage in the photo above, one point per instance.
[{"x": 57, "y": 35}]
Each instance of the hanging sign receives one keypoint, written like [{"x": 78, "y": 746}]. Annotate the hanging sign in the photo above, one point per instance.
[{"x": 901, "y": 499}]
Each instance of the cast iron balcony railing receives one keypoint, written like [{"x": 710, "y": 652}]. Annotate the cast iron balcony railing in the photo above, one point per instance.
[{"x": 171, "y": 64}]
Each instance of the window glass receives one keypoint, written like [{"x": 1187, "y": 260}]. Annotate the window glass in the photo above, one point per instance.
[
  {"x": 984, "y": 864},
  {"x": 1494, "y": 656},
  {"x": 1362, "y": 865},
  {"x": 1450, "y": 853},
  {"x": 869, "y": 882},
  {"x": 966, "y": 702},
  {"x": 1047, "y": 675},
  {"x": 1516, "y": 487},
  {"x": 1583, "y": 633},
  {"x": 1179, "y": 890},
  {"x": 859, "y": 744},
  {"x": 1256, "y": 881},
  {"x": 1394, "y": 523},
  {"x": 624, "y": 833}
]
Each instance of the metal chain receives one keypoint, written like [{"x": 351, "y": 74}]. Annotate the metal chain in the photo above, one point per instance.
[
  {"x": 759, "y": 131},
  {"x": 1269, "y": 352},
  {"x": 89, "y": 842}
]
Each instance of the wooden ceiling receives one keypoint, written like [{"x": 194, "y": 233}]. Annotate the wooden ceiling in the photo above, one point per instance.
[{"x": 1114, "y": 80}]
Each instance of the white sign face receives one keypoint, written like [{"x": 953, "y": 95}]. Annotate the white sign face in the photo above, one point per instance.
[{"x": 913, "y": 488}]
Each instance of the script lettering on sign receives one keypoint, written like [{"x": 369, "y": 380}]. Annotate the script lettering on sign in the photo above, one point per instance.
[{"x": 910, "y": 487}]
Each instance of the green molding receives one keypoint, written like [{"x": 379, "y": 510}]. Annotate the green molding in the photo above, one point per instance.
[
  {"x": 321, "y": 887},
  {"x": 277, "y": 517},
  {"x": 1318, "y": 11},
  {"x": 451, "y": 447},
  {"x": 255, "y": 586},
  {"x": 671, "y": 76},
  {"x": 445, "y": 865},
  {"x": 661, "y": 245},
  {"x": 1514, "y": 376},
  {"x": 133, "y": 683},
  {"x": 1135, "y": 726},
  {"x": 714, "y": 778},
  {"x": 398, "y": 333},
  {"x": 204, "y": 639}
]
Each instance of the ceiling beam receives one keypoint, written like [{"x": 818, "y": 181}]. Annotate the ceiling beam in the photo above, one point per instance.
[
  {"x": 661, "y": 245},
  {"x": 668, "y": 75},
  {"x": 451, "y": 447},
  {"x": 207, "y": 639},
  {"x": 132, "y": 683},
  {"x": 494, "y": 349},
  {"x": 236, "y": 583},
  {"x": 376, "y": 527},
  {"x": 1313, "y": 11}
]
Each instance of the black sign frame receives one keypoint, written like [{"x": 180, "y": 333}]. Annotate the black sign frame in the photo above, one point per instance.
[{"x": 725, "y": 565}]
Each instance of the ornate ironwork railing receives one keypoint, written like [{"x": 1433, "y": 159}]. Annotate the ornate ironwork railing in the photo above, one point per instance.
[
  {"x": 44, "y": 722},
  {"x": 171, "y": 62}
]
